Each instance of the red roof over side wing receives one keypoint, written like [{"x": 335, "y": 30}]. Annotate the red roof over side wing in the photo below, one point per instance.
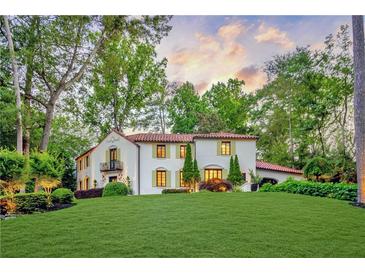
[{"x": 269, "y": 166}]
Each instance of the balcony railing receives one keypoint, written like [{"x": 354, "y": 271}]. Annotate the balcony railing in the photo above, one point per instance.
[{"x": 111, "y": 165}]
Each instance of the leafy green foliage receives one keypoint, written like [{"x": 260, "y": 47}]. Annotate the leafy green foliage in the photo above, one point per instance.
[
  {"x": 62, "y": 196},
  {"x": 115, "y": 189},
  {"x": 30, "y": 202},
  {"x": 230, "y": 102},
  {"x": 234, "y": 174},
  {"x": 12, "y": 165},
  {"x": 341, "y": 191},
  {"x": 316, "y": 167},
  {"x": 196, "y": 172},
  {"x": 188, "y": 168},
  {"x": 125, "y": 77},
  {"x": 44, "y": 164},
  {"x": 184, "y": 109}
]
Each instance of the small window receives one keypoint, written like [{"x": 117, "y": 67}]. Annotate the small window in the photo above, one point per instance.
[
  {"x": 226, "y": 148},
  {"x": 212, "y": 174},
  {"x": 80, "y": 164},
  {"x": 112, "y": 179},
  {"x": 182, "y": 151},
  {"x": 182, "y": 183},
  {"x": 161, "y": 151},
  {"x": 87, "y": 161},
  {"x": 161, "y": 178}
]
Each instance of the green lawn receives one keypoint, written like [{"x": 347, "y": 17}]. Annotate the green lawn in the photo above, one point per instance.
[{"x": 191, "y": 225}]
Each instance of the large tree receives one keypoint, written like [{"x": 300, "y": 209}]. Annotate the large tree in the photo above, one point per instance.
[
  {"x": 184, "y": 109},
  {"x": 126, "y": 75},
  {"x": 359, "y": 102},
  {"x": 63, "y": 48}
]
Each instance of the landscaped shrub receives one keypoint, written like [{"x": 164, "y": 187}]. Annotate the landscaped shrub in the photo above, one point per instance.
[
  {"x": 115, "y": 189},
  {"x": 341, "y": 191},
  {"x": 30, "y": 202},
  {"x": 175, "y": 190},
  {"x": 62, "y": 196},
  {"x": 317, "y": 167},
  {"x": 91, "y": 193},
  {"x": 216, "y": 185}
]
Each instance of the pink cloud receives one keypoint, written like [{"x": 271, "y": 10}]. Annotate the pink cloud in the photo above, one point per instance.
[
  {"x": 231, "y": 31},
  {"x": 273, "y": 35},
  {"x": 254, "y": 77}
]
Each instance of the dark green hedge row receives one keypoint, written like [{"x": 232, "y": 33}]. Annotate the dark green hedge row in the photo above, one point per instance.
[
  {"x": 175, "y": 190},
  {"x": 32, "y": 202},
  {"x": 341, "y": 191}
]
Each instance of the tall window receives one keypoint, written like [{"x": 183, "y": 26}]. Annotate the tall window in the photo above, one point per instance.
[
  {"x": 161, "y": 151},
  {"x": 182, "y": 183},
  {"x": 80, "y": 185},
  {"x": 80, "y": 164},
  {"x": 86, "y": 183},
  {"x": 212, "y": 174},
  {"x": 113, "y": 154},
  {"x": 161, "y": 178},
  {"x": 182, "y": 151},
  {"x": 226, "y": 148},
  {"x": 87, "y": 161}
]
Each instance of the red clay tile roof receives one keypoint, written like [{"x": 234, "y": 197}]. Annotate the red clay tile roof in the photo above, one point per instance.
[
  {"x": 177, "y": 138},
  {"x": 269, "y": 166},
  {"x": 225, "y": 135},
  {"x": 87, "y": 151},
  {"x": 159, "y": 137}
]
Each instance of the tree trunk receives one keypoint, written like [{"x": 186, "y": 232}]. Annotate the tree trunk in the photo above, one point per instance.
[
  {"x": 47, "y": 126},
  {"x": 29, "y": 83},
  {"x": 359, "y": 102},
  {"x": 19, "y": 130}
]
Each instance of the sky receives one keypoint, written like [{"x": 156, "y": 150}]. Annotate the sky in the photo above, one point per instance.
[{"x": 207, "y": 49}]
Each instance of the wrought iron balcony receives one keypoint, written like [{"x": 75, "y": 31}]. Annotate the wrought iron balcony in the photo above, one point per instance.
[{"x": 111, "y": 165}]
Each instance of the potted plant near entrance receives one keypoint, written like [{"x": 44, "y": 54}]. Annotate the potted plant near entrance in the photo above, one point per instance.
[{"x": 255, "y": 181}]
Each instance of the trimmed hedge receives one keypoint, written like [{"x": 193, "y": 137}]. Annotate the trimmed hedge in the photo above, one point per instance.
[
  {"x": 26, "y": 202},
  {"x": 62, "y": 196},
  {"x": 341, "y": 191},
  {"x": 175, "y": 190},
  {"x": 91, "y": 193},
  {"x": 115, "y": 189}
]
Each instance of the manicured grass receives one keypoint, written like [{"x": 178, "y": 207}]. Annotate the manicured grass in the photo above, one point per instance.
[{"x": 191, "y": 225}]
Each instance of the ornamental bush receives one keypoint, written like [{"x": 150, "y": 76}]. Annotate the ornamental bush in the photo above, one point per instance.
[
  {"x": 175, "y": 190},
  {"x": 62, "y": 196},
  {"x": 91, "y": 193},
  {"x": 216, "y": 185},
  {"x": 341, "y": 191},
  {"x": 30, "y": 202},
  {"x": 115, "y": 189}
]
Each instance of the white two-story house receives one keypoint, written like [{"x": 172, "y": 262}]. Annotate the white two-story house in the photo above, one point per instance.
[{"x": 153, "y": 162}]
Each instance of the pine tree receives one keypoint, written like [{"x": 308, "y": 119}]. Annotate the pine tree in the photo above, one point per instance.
[
  {"x": 196, "y": 173},
  {"x": 238, "y": 180},
  {"x": 231, "y": 170},
  {"x": 188, "y": 169}
]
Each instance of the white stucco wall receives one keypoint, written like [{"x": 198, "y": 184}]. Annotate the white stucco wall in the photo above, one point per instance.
[
  {"x": 206, "y": 155},
  {"x": 278, "y": 175},
  {"x": 148, "y": 164},
  {"x": 128, "y": 154}
]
